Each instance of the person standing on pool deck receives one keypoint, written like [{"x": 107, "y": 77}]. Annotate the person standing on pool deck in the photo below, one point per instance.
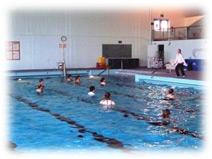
[{"x": 179, "y": 63}]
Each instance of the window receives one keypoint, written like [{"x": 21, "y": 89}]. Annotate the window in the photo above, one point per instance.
[
  {"x": 156, "y": 25},
  {"x": 13, "y": 51},
  {"x": 161, "y": 24},
  {"x": 164, "y": 25}
]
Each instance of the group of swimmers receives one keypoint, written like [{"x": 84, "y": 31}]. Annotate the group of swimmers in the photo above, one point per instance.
[{"x": 106, "y": 101}]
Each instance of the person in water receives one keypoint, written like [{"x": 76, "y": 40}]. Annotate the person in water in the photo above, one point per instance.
[
  {"x": 77, "y": 80},
  {"x": 107, "y": 102},
  {"x": 165, "y": 118},
  {"x": 170, "y": 94},
  {"x": 91, "y": 91},
  {"x": 102, "y": 81},
  {"x": 40, "y": 86},
  {"x": 69, "y": 78}
]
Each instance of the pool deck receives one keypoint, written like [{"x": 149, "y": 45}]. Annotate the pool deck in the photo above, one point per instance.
[{"x": 194, "y": 75}]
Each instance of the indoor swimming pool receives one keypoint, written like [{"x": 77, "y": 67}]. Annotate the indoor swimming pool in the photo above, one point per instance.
[{"x": 64, "y": 117}]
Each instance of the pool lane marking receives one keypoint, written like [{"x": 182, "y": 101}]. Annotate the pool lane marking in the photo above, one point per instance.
[
  {"x": 148, "y": 120},
  {"x": 132, "y": 96},
  {"x": 135, "y": 97},
  {"x": 111, "y": 142},
  {"x": 136, "y": 116}
]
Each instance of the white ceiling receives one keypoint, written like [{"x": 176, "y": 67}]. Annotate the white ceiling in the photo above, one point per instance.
[{"x": 193, "y": 12}]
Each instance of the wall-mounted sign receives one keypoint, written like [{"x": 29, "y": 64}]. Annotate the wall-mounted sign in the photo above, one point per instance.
[{"x": 62, "y": 45}]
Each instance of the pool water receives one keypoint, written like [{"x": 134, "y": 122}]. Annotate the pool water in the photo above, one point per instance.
[{"x": 65, "y": 117}]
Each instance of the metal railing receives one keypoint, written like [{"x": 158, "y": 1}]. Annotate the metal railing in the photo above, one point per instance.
[{"x": 179, "y": 33}]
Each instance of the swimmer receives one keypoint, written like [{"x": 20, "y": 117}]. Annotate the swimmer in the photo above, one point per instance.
[
  {"x": 107, "y": 102},
  {"x": 40, "y": 87},
  {"x": 69, "y": 78},
  {"x": 102, "y": 81},
  {"x": 77, "y": 80},
  {"x": 170, "y": 95},
  {"x": 91, "y": 91},
  {"x": 165, "y": 118}
]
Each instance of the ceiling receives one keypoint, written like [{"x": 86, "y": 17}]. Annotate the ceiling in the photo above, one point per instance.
[{"x": 193, "y": 12}]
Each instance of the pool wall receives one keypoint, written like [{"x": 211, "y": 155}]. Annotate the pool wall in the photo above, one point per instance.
[
  {"x": 151, "y": 79},
  {"x": 95, "y": 72},
  {"x": 82, "y": 72}
]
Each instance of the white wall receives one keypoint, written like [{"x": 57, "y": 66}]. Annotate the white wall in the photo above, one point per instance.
[
  {"x": 39, "y": 35},
  {"x": 194, "y": 49}
]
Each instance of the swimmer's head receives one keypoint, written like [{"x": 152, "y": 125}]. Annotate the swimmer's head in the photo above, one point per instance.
[
  {"x": 171, "y": 91},
  {"x": 107, "y": 95},
  {"x": 166, "y": 113},
  {"x": 91, "y": 88},
  {"x": 102, "y": 79},
  {"x": 179, "y": 51},
  {"x": 77, "y": 77},
  {"x": 69, "y": 76},
  {"x": 41, "y": 80}
]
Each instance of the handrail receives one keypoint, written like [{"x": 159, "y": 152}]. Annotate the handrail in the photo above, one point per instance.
[
  {"x": 103, "y": 71},
  {"x": 179, "y": 33}
]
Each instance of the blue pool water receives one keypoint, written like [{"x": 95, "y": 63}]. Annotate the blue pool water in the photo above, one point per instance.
[{"x": 64, "y": 117}]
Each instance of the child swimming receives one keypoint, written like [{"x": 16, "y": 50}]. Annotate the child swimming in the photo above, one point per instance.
[
  {"x": 165, "y": 118},
  {"x": 102, "y": 81},
  {"x": 107, "y": 102},
  {"x": 91, "y": 91},
  {"x": 69, "y": 78},
  {"x": 40, "y": 86},
  {"x": 170, "y": 95},
  {"x": 77, "y": 80}
]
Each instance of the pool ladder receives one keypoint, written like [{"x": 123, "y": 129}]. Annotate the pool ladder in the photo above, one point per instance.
[
  {"x": 62, "y": 68},
  {"x": 107, "y": 69}
]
